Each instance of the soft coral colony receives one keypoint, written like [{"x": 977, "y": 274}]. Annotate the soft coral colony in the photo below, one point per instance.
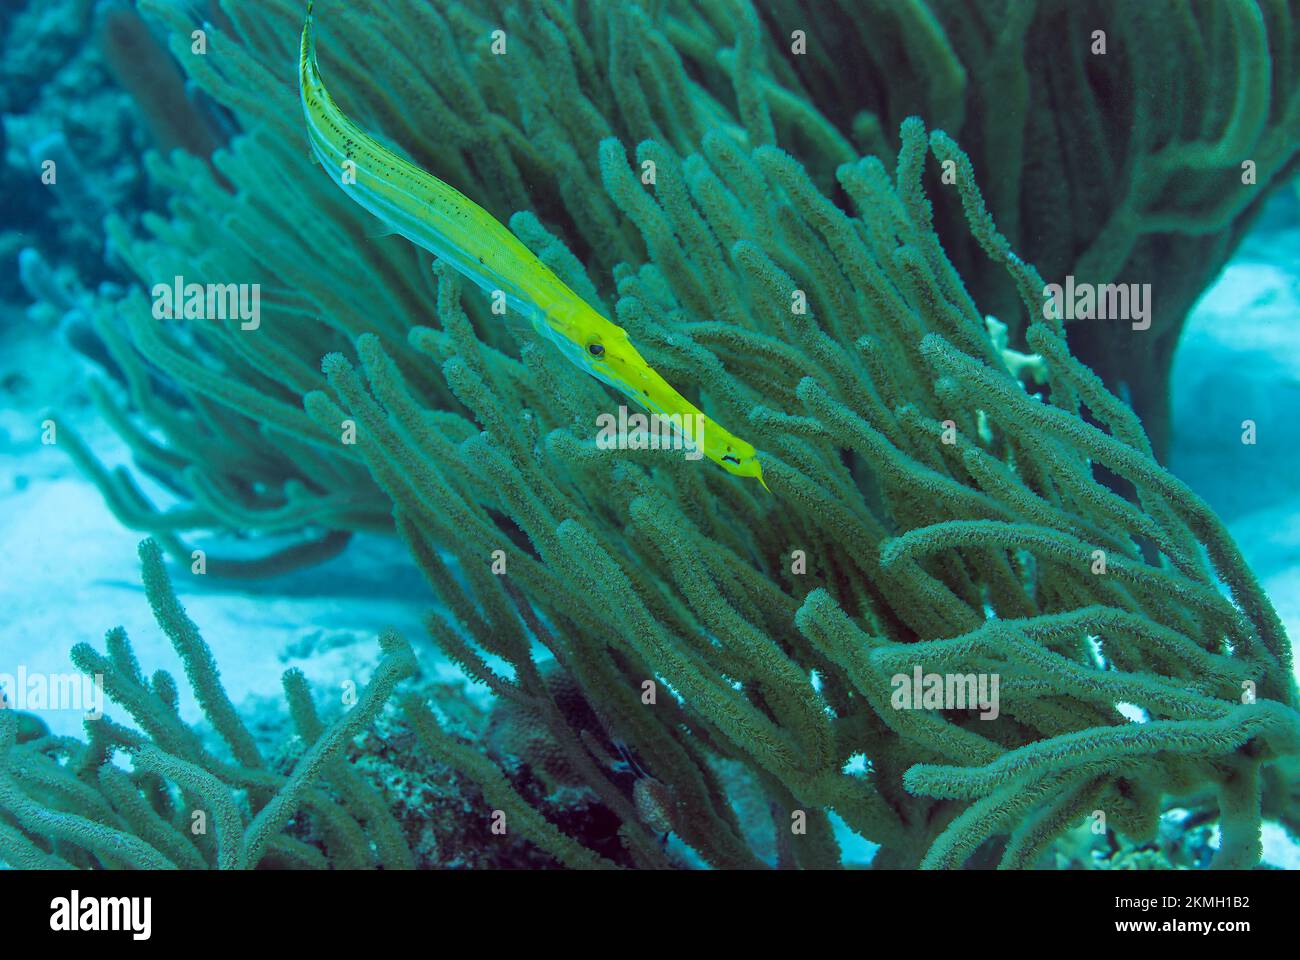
[{"x": 929, "y": 507}]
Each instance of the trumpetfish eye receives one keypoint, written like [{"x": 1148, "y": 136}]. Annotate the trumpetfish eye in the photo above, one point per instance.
[{"x": 596, "y": 349}]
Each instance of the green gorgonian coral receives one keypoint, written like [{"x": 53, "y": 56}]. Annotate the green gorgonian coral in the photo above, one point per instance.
[
  {"x": 65, "y": 803},
  {"x": 929, "y": 509}
]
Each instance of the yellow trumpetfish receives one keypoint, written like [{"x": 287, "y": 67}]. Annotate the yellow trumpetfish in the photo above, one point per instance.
[{"x": 445, "y": 222}]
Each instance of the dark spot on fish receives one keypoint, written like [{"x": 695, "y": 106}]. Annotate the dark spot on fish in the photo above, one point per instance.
[
  {"x": 596, "y": 349},
  {"x": 730, "y": 459}
]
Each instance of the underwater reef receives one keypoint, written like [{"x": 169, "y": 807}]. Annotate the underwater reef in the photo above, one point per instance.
[
  {"x": 219, "y": 797},
  {"x": 89, "y": 812},
  {"x": 832, "y": 253}
]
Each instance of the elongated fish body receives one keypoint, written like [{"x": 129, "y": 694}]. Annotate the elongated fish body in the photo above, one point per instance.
[{"x": 442, "y": 220}]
